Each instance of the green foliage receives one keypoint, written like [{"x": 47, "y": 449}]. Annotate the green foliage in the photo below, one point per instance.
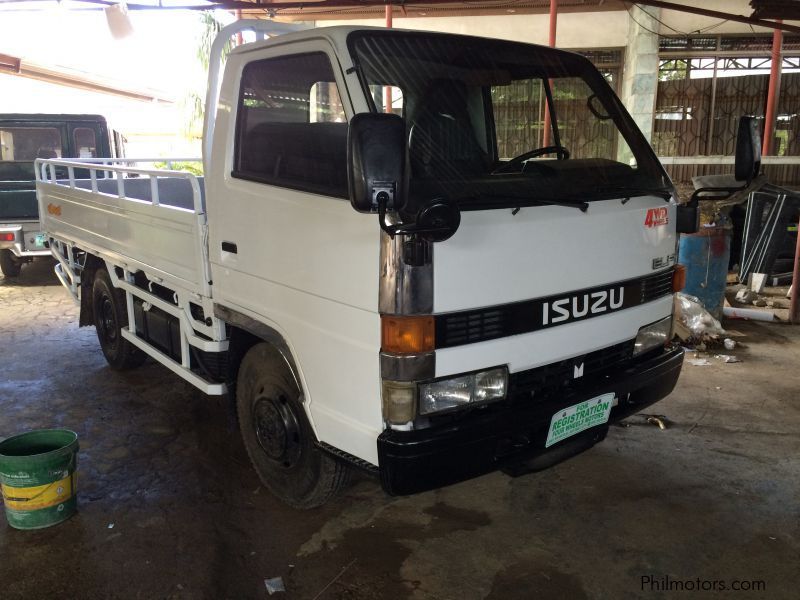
[
  {"x": 193, "y": 104},
  {"x": 211, "y": 27},
  {"x": 195, "y": 168},
  {"x": 672, "y": 70}
]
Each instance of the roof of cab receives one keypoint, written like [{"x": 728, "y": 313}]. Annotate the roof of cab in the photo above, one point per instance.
[{"x": 336, "y": 34}]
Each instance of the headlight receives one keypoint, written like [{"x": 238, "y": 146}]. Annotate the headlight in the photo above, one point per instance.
[
  {"x": 399, "y": 402},
  {"x": 653, "y": 335},
  {"x": 455, "y": 392}
]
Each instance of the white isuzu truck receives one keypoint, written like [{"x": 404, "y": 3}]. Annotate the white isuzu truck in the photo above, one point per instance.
[{"x": 428, "y": 256}]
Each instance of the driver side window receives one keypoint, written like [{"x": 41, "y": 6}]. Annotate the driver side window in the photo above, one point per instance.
[{"x": 291, "y": 125}]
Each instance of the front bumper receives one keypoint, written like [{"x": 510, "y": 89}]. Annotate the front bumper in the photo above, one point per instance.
[
  {"x": 507, "y": 434},
  {"x": 27, "y": 238}
]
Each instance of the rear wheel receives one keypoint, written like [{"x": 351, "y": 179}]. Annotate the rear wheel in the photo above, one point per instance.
[
  {"x": 110, "y": 316},
  {"x": 9, "y": 264},
  {"x": 277, "y": 435}
]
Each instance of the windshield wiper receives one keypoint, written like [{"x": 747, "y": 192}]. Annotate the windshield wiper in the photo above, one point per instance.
[
  {"x": 632, "y": 192},
  {"x": 582, "y": 206}
]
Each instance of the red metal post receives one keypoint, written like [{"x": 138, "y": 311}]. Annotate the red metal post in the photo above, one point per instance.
[
  {"x": 387, "y": 90},
  {"x": 794, "y": 303},
  {"x": 239, "y": 39},
  {"x": 552, "y": 44},
  {"x": 772, "y": 94}
]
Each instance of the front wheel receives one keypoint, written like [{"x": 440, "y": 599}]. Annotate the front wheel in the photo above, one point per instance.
[
  {"x": 110, "y": 316},
  {"x": 9, "y": 264},
  {"x": 276, "y": 433}
]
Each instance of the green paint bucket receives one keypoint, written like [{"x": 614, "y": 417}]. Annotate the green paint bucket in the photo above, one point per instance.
[{"x": 37, "y": 477}]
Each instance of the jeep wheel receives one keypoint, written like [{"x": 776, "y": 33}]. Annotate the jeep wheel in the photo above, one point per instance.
[{"x": 9, "y": 264}]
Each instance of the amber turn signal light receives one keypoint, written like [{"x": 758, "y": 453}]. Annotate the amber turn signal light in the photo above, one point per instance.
[
  {"x": 678, "y": 278},
  {"x": 407, "y": 335}
]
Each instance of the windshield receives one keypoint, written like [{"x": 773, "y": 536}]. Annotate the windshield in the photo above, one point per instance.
[{"x": 494, "y": 123}]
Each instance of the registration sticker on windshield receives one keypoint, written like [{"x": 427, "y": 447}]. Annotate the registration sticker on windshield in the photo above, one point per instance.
[{"x": 579, "y": 417}]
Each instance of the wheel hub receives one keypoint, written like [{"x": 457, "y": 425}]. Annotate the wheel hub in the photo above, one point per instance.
[
  {"x": 276, "y": 429},
  {"x": 107, "y": 320}
]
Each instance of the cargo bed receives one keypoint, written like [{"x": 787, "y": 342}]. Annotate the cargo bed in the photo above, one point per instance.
[{"x": 148, "y": 226}]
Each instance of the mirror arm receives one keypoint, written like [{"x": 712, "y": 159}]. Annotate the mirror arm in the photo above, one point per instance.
[
  {"x": 415, "y": 247},
  {"x": 383, "y": 200},
  {"x": 721, "y": 193},
  {"x": 402, "y": 228}
]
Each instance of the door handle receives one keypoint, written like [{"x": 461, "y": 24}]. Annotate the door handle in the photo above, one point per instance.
[{"x": 230, "y": 247}]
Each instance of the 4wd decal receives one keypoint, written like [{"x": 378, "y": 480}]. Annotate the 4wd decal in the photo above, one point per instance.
[{"x": 656, "y": 217}]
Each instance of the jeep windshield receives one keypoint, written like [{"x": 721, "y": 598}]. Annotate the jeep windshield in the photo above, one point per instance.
[
  {"x": 494, "y": 123},
  {"x": 21, "y": 145}
]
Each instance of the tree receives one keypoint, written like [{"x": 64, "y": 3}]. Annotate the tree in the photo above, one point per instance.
[{"x": 193, "y": 104}]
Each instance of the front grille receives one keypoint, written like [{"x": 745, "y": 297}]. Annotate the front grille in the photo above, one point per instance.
[
  {"x": 468, "y": 328},
  {"x": 558, "y": 377},
  {"x": 656, "y": 286},
  {"x": 482, "y": 324}
]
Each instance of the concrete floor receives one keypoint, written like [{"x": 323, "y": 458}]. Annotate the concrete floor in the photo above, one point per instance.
[{"x": 715, "y": 496}]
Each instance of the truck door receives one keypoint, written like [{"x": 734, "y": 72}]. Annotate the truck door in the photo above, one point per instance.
[{"x": 284, "y": 243}]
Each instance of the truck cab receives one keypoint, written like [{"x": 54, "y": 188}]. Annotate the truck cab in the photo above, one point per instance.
[
  {"x": 553, "y": 290},
  {"x": 426, "y": 256},
  {"x": 23, "y": 139}
]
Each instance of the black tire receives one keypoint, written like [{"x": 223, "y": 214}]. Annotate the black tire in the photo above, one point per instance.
[
  {"x": 110, "y": 316},
  {"x": 277, "y": 435},
  {"x": 9, "y": 264}
]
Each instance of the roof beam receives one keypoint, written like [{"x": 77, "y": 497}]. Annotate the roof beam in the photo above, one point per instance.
[
  {"x": 718, "y": 15},
  {"x": 521, "y": 6},
  {"x": 15, "y": 66}
]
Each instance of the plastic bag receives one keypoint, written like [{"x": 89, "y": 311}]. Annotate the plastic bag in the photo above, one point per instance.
[{"x": 690, "y": 312}]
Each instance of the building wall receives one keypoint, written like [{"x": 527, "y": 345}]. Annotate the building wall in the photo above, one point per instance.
[{"x": 640, "y": 78}]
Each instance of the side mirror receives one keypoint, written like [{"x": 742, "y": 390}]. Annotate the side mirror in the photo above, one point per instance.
[
  {"x": 748, "y": 150},
  {"x": 378, "y": 182},
  {"x": 376, "y": 161},
  {"x": 747, "y": 168},
  {"x": 688, "y": 217}
]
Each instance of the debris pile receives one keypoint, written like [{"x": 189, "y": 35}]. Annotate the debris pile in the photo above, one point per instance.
[
  {"x": 694, "y": 325},
  {"x": 699, "y": 332}
]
